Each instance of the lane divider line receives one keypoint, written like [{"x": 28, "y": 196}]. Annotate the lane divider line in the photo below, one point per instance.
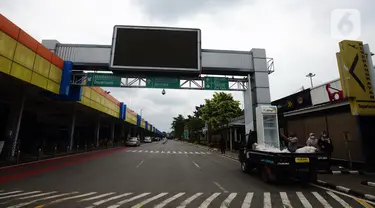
[{"x": 220, "y": 187}]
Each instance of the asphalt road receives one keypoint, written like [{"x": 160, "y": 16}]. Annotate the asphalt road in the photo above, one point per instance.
[{"x": 174, "y": 174}]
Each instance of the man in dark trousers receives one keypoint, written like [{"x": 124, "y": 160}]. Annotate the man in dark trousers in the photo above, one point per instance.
[
  {"x": 326, "y": 146},
  {"x": 222, "y": 145}
]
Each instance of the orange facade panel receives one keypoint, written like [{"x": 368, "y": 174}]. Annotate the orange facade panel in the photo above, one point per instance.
[
  {"x": 44, "y": 52},
  {"x": 57, "y": 61},
  {"x": 28, "y": 41},
  {"x": 9, "y": 27}
]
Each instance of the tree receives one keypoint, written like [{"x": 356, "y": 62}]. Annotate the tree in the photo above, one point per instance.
[
  {"x": 219, "y": 110},
  {"x": 178, "y": 125},
  {"x": 198, "y": 111}
]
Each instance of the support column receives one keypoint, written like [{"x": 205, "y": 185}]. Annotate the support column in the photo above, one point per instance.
[
  {"x": 112, "y": 133},
  {"x": 97, "y": 132},
  {"x": 235, "y": 135},
  {"x": 230, "y": 139},
  {"x": 72, "y": 128}
]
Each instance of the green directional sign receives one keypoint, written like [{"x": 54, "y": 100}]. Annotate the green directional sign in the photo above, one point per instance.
[
  {"x": 216, "y": 83},
  {"x": 102, "y": 79},
  {"x": 163, "y": 82}
]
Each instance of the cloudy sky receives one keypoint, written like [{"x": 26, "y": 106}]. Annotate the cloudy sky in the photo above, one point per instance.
[{"x": 296, "y": 33}]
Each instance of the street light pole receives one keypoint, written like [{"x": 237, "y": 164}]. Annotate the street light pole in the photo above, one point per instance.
[{"x": 311, "y": 75}]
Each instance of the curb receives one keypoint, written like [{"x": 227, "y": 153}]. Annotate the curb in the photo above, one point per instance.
[
  {"x": 368, "y": 183},
  {"x": 344, "y": 172},
  {"x": 9, "y": 167},
  {"x": 346, "y": 190}
]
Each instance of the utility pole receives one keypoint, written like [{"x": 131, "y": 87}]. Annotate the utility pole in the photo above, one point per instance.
[{"x": 311, "y": 75}]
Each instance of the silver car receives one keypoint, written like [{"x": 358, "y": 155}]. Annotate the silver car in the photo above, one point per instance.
[
  {"x": 148, "y": 140},
  {"x": 133, "y": 141}
]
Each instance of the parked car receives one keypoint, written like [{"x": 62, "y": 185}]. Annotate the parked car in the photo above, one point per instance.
[
  {"x": 133, "y": 141},
  {"x": 156, "y": 138},
  {"x": 148, "y": 140}
]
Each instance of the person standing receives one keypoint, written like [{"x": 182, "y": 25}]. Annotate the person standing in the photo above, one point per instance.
[
  {"x": 312, "y": 141},
  {"x": 292, "y": 141},
  {"x": 222, "y": 145},
  {"x": 326, "y": 146}
]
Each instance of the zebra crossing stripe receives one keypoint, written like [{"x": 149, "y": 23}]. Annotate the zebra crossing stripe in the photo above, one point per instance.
[
  {"x": 197, "y": 153},
  {"x": 174, "y": 152},
  {"x": 146, "y": 150},
  {"x": 179, "y": 152},
  {"x": 321, "y": 200},
  {"x": 136, "y": 150},
  {"x": 169, "y": 200},
  {"x": 267, "y": 200},
  {"x": 149, "y": 200},
  {"x": 247, "y": 202},
  {"x": 24, "y": 204},
  {"x": 285, "y": 200},
  {"x": 228, "y": 200},
  {"x": 208, "y": 201},
  {"x": 109, "y": 199},
  {"x": 128, "y": 200},
  {"x": 303, "y": 200},
  {"x": 189, "y": 200},
  {"x": 151, "y": 151},
  {"x": 97, "y": 197},
  {"x": 185, "y": 152},
  {"x": 157, "y": 152},
  {"x": 191, "y": 153},
  {"x": 72, "y": 197},
  {"x": 22, "y": 194},
  {"x": 203, "y": 153},
  {"x": 12, "y": 192},
  {"x": 162, "y": 151},
  {"x": 168, "y": 152},
  {"x": 38, "y": 195},
  {"x": 338, "y": 199}
]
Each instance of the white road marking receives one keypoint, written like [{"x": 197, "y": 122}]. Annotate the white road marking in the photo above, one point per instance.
[
  {"x": 146, "y": 150},
  {"x": 157, "y": 152},
  {"x": 208, "y": 201},
  {"x": 191, "y": 152},
  {"x": 97, "y": 197},
  {"x": 179, "y": 152},
  {"x": 185, "y": 152},
  {"x": 72, "y": 197},
  {"x": 303, "y": 200},
  {"x": 168, "y": 152},
  {"x": 169, "y": 200},
  {"x": 139, "y": 150},
  {"x": 196, "y": 165},
  {"x": 338, "y": 199},
  {"x": 220, "y": 187},
  {"x": 128, "y": 200},
  {"x": 208, "y": 153},
  {"x": 151, "y": 151},
  {"x": 247, "y": 202},
  {"x": 128, "y": 150},
  {"x": 41, "y": 199},
  {"x": 139, "y": 164},
  {"x": 228, "y": 200},
  {"x": 321, "y": 200},
  {"x": 285, "y": 200},
  {"x": 197, "y": 153},
  {"x": 12, "y": 192},
  {"x": 38, "y": 195},
  {"x": 162, "y": 151},
  {"x": 267, "y": 200},
  {"x": 202, "y": 153},
  {"x": 149, "y": 200},
  {"x": 22, "y": 194},
  {"x": 109, "y": 199},
  {"x": 174, "y": 152},
  {"x": 189, "y": 200},
  {"x": 344, "y": 189}
]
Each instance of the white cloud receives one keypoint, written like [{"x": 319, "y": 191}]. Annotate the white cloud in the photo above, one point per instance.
[{"x": 295, "y": 33}]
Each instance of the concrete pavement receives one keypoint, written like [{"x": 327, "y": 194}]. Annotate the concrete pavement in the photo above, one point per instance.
[{"x": 173, "y": 174}]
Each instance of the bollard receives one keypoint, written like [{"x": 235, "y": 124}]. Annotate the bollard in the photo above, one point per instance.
[
  {"x": 85, "y": 147},
  {"x": 18, "y": 157},
  {"x": 54, "y": 151}
]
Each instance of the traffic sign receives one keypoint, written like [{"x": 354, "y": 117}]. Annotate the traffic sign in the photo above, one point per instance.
[
  {"x": 163, "y": 82},
  {"x": 102, "y": 79},
  {"x": 216, "y": 83}
]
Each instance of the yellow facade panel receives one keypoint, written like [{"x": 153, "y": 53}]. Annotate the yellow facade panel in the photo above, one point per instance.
[
  {"x": 5, "y": 64},
  {"x": 42, "y": 66},
  {"x": 20, "y": 72},
  {"x": 24, "y": 56},
  {"x": 39, "y": 80},
  {"x": 7, "y": 45},
  {"x": 55, "y": 73},
  {"x": 53, "y": 87}
]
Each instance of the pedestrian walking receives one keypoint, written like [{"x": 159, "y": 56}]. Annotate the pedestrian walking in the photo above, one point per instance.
[
  {"x": 326, "y": 146},
  {"x": 222, "y": 145}
]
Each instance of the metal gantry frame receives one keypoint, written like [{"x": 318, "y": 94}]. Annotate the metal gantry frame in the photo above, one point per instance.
[{"x": 195, "y": 83}]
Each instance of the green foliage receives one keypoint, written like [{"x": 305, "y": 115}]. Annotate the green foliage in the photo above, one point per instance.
[
  {"x": 178, "y": 126},
  {"x": 220, "y": 109}
]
